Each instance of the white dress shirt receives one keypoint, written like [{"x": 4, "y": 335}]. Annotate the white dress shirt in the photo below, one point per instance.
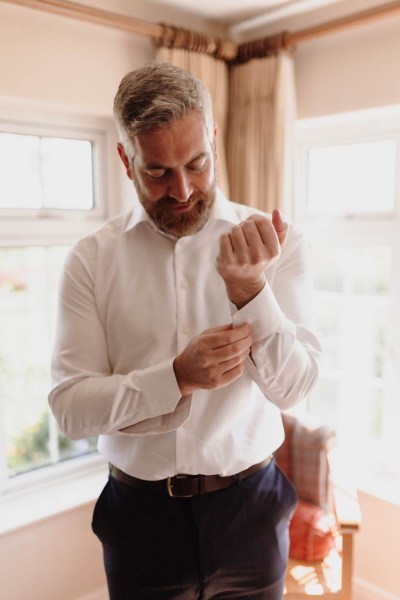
[{"x": 131, "y": 299}]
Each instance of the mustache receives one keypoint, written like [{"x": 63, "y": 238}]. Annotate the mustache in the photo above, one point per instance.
[{"x": 169, "y": 202}]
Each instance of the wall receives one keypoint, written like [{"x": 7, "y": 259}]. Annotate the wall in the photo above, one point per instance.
[
  {"x": 55, "y": 559},
  {"x": 64, "y": 62},
  {"x": 353, "y": 70},
  {"x": 342, "y": 71},
  {"x": 377, "y": 552}
]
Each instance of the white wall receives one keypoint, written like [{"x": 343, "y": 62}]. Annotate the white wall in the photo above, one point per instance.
[
  {"x": 353, "y": 70},
  {"x": 55, "y": 559},
  {"x": 71, "y": 64}
]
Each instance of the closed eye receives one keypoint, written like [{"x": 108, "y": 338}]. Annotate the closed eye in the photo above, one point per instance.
[
  {"x": 198, "y": 164},
  {"x": 156, "y": 173}
]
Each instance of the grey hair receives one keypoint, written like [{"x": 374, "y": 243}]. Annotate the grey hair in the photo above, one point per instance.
[{"x": 155, "y": 95}]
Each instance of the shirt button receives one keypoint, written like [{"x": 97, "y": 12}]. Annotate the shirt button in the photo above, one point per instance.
[
  {"x": 186, "y": 330},
  {"x": 184, "y": 285}
]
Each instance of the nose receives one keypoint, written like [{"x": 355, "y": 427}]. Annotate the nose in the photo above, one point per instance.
[{"x": 180, "y": 188}]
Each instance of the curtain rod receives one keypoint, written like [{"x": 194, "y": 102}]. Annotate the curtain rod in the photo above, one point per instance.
[
  {"x": 286, "y": 40},
  {"x": 226, "y": 49},
  {"x": 370, "y": 15}
]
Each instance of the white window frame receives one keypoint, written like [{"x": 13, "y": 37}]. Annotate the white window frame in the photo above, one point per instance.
[
  {"x": 24, "y": 227},
  {"x": 364, "y": 126}
]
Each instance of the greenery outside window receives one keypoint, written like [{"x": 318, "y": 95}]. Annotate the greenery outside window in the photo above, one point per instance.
[{"x": 52, "y": 190}]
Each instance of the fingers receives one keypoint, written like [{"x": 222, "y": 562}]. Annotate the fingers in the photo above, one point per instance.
[
  {"x": 213, "y": 358},
  {"x": 228, "y": 365},
  {"x": 227, "y": 343},
  {"x": 248, "y": 249},
  {"x": 252, "y": 238},
  {"x": 225, "y": 336},
  {"x": 280, "y": 225}
]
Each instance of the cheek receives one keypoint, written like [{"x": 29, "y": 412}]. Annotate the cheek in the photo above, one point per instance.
[
  {"x": 203, "y": 181},
  {"x": 152, "y": 190}
]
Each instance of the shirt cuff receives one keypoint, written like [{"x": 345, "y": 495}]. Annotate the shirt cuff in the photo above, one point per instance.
[
  {"x": 263, "y": 314},
  {"x": 159, "y": 387},
  {"x": 163, "y": 408}
]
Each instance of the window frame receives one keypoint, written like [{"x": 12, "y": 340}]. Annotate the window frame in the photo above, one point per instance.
[
  {"x": 384, "y": 227},
  {"x": 97, "y": 138},
  {"x": 51, "y": 227}
]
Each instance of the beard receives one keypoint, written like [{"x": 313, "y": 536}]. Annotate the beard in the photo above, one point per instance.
[{"x": 171, "y": 221}]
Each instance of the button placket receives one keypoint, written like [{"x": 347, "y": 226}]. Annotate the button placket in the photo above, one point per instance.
[
  {"x": 182, "y": 285},
  {"x": 183, "y": 334}
]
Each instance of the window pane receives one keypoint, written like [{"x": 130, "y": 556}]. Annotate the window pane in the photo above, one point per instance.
[
  {"x": 45, "y": 172},
  {"x": 20, "y": 185},
  {"x": 329, "y": 318},
  {"x": 327, "y": 268},
  {"x": 362, "y": 269},
  {"x": 28, "y": 291},
  {"x": 352, "y": 316},
  {"x": 324, "y": 402},
  {"x": 353, "y": 178},
  {"x": 67, "y": 173}
]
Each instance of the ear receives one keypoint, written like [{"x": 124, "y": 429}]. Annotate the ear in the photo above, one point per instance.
[
  {"x": 215, "y": 147},
  {"x": 125, "y": 160}
]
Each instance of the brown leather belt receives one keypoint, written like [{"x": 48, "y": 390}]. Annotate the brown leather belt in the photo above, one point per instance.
[{"x": 186, "y": 486}]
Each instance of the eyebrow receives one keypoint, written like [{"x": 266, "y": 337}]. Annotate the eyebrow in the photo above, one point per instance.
[{"x": 155, "y": 166}]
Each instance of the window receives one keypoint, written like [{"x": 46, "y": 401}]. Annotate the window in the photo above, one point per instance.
[
  {"x": 45, "y": 172},
  {"x": 349, "y": 207},
  {"x": 28, "y": 291},
  {"x": 52, "y": 191}
]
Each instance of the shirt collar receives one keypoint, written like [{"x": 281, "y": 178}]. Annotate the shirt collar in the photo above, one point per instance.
[
  {"x": 222, "y": 210},
  {"x": 136, "y": 215}
]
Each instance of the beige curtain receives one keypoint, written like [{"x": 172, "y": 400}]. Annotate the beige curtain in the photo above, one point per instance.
[
  {"x": 214, "y": 74},
  {"x": 260, "y": 144}
]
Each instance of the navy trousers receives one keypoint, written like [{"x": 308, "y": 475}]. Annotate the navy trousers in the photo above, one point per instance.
[{"x": 229, "y": 544}]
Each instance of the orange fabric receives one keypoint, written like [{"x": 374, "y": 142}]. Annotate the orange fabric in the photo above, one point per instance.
[{"x": 310, "y": 533}]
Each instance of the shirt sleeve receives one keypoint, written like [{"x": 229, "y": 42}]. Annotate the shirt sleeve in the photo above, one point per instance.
[
  {"x": 284, "y": 354},
  {"x": 87, "y": 398}
]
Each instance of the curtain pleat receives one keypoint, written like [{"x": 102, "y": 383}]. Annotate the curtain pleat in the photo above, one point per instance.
[
  {"x": 214, "y": 74},
  {"x": 262, "y": 111}
]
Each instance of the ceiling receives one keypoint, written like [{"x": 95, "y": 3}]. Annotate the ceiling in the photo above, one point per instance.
[
  {"x": 240, "y": 17},
  {"x": 232, "y": 12}
]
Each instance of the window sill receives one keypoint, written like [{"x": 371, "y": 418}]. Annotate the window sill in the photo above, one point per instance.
[
  {"x": 51, "y": 491},
  {"x": 372, "y": 472}
]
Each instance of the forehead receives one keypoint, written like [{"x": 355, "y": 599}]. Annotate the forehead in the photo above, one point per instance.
[{"x": 176, "y": 144}]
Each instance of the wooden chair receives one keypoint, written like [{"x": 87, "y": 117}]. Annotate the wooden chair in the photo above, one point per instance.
[{"x": 310, "y": 461}]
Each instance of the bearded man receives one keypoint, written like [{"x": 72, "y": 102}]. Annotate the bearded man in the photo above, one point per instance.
[{"x": 184, "y": 329}]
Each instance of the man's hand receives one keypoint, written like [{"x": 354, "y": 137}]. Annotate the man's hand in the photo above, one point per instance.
[
  {"x": 246, "y": 252},
  {"x": 213, "y": 359}
]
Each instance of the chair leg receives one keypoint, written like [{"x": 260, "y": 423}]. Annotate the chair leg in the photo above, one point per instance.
[{"x": 347, "y": 566}]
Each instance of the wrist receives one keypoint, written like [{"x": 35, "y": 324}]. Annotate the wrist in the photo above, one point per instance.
[
  {"x": 241, "y": 292},
  {"x": 185, "y": 388}
]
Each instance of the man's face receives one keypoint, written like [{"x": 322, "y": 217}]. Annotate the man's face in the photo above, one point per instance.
[{"x": 173, "y": 170}]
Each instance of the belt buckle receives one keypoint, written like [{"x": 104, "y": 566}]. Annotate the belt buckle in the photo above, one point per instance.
[{"x": 170, "y": 487}]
